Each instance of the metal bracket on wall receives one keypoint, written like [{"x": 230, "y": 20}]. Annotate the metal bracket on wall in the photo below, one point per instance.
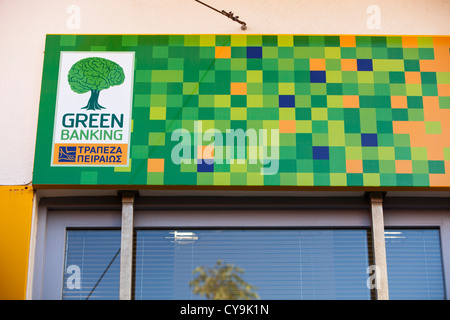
[{"x": 229, "y": 15}]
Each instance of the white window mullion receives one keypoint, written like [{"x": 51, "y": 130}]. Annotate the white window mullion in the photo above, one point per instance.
[
  {"x": 126, "y": 248},
  {"x": 379, "y": 246}
]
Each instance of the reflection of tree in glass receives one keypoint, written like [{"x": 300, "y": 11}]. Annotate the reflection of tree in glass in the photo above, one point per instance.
[
  {"x": 94, "y": 74},
  {"x": 222, "y": 282}
]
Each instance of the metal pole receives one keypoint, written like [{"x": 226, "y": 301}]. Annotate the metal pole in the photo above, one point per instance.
[
  {"x": 379, "y": 246},
  {"x": 126, "y": 247}
]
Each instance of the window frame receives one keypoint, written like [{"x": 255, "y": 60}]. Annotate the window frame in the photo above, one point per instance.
[
  {"x": 235, "y": 212},
  {"x": 48, "y": 273},
  {"x": 287, "y": 228}
]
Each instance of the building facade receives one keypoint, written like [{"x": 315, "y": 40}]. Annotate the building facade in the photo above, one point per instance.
[{"x": 291, "y": 160}]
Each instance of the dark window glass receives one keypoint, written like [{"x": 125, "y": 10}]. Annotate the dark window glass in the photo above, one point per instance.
[
  {"x": 414, "y": 264},
  {"x": 92, "y": 265},
  {"x": 251, "y": 264}
]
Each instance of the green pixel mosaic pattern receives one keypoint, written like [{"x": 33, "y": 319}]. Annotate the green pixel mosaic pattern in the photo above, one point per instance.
[{"x": 351, "y": 111}]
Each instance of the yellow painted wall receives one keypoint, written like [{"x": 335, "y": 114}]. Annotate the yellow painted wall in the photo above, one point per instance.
[{"x": 16, "y": 205}]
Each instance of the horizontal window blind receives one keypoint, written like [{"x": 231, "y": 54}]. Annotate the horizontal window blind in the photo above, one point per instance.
[
  {"x": 92, "y": 265},
  {"x": 414, "y": 264},
  {"x": 251, "y": 264}
]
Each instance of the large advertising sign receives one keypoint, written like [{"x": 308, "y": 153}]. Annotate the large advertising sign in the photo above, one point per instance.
[
  {"x": 271, "y": 111},
  {"x": 88, "y": 133}
]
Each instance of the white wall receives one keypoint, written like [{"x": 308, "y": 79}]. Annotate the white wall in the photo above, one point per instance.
[{"x": 24, "y": 24}]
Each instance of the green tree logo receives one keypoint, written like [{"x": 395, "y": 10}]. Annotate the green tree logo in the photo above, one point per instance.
[{"x": 94, "y": 74}]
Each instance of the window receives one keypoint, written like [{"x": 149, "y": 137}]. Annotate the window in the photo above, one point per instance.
[
  {"x": 304, "y": 253},
  {"x": 92, "y": 265},
  {"x": 264, "y": 264},
  {"x": 414, "y": 264}
]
